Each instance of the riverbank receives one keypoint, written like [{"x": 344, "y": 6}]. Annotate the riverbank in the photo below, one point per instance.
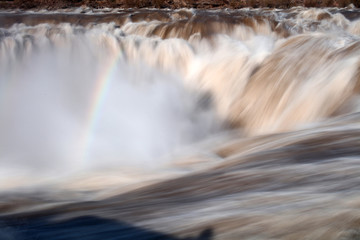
[{"x": 172, "y": 4}]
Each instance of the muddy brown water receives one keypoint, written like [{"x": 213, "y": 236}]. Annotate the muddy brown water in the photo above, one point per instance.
[{"x": 180, "y": 124}]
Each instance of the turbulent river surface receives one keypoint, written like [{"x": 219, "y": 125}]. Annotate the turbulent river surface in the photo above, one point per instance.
[{"x": 180, "y": 124}]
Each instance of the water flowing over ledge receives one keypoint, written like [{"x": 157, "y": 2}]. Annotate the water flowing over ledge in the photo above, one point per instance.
[{"x": 180, "y": 124}]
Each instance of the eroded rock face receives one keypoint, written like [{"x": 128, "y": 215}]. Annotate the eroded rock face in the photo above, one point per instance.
[{"x": 173, "y": 4}]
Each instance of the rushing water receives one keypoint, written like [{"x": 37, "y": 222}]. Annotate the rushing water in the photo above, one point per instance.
[{"x": 180, "y": 124}]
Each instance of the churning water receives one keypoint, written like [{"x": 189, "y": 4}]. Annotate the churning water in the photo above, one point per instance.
[{"x": 183, "y": 124}]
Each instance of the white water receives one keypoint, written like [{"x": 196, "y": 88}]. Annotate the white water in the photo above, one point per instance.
[
  {"x": 164, "y": 94},
  {"x": 46, "y": 104}
]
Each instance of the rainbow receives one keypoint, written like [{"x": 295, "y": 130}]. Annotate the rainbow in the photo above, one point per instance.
[{"x": 97, "y": 98}]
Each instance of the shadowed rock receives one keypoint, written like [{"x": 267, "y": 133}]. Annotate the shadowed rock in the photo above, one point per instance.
[{"x": 82, "y": 228}]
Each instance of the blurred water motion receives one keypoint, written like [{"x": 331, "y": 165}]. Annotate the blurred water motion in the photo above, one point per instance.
[{"x": 180, "y": 124}]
